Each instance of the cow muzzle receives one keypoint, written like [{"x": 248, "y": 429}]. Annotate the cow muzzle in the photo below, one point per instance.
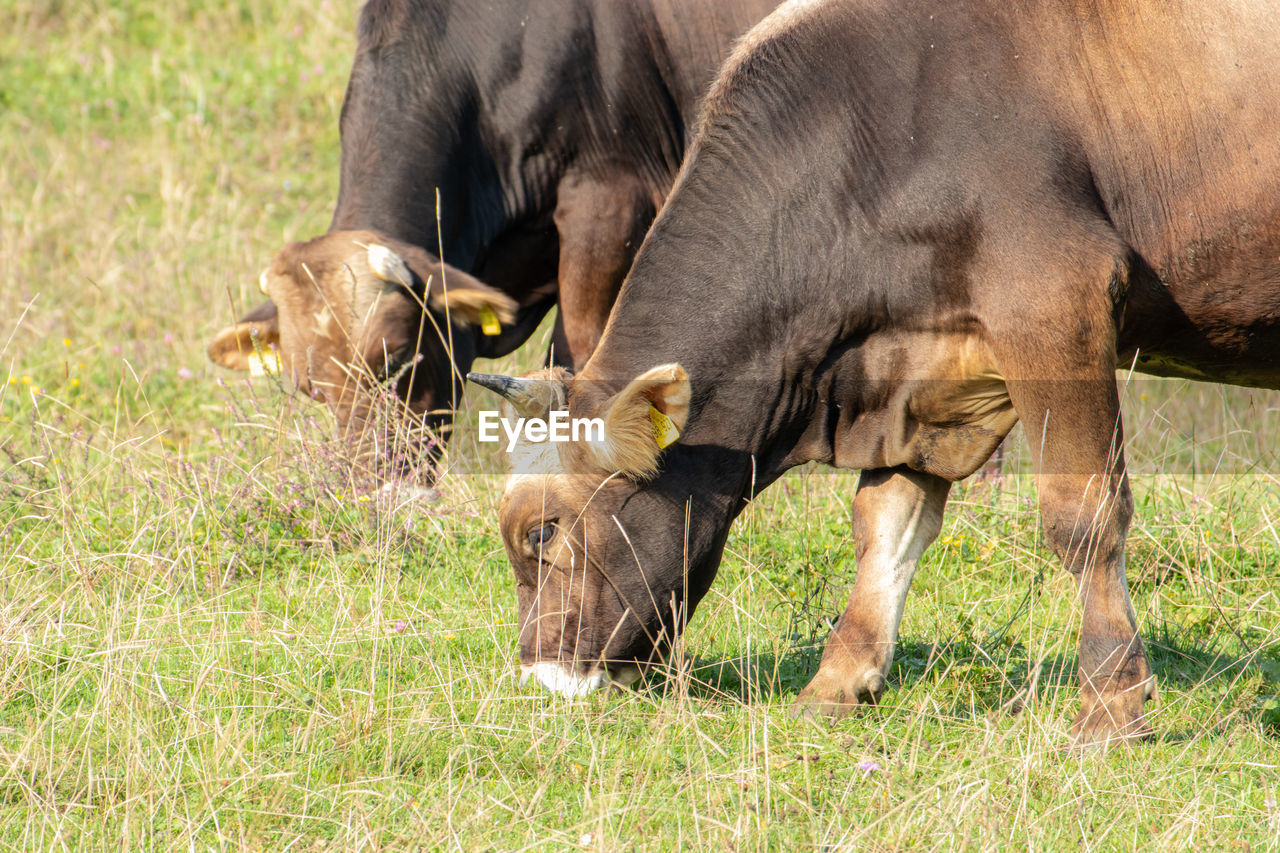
[{"x": 563, "y": 681}]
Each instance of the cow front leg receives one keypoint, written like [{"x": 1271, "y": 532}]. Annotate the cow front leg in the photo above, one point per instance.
[
  {"x": 1085, "y": 525},
  {"x": 558, "y": 350},
  {"x": 601, "y": 222},
  {"x": 1057, "y": 355},
  {"x": 896, "y": 514},
  {"x": 1074, "y": 429}
]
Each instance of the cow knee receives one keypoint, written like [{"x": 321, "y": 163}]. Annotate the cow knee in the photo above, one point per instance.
[{"x": 1086, "y": 526}]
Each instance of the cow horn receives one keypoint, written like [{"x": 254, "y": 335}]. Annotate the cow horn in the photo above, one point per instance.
[
  {"x": 531, "y": 398},
  {"x": 388, "y": 266}
]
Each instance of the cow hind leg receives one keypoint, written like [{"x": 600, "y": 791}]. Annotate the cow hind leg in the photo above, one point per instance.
[{"x": 897, "y": 513}]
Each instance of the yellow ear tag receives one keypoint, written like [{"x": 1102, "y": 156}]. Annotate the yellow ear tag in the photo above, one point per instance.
[
  {"x": 664, "y": 429},
  {"x": 489, "y": 321},
  {"x": 261, "y": 365}
]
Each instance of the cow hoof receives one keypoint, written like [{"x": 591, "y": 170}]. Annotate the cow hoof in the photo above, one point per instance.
[
  {"x": 821, "y": 712},
  {"x": 824, "y": 698},
  {"x": 1114, "y": 720}
]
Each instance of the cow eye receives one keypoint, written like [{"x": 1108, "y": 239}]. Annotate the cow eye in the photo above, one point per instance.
[{"x": 540, "y": 536}]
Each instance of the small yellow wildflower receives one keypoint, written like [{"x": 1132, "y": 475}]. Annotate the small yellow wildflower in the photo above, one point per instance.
[
  {"x": 75, "y": 383},
  {"x": 80, "y": 365},
  {"x": 66, "y": 342},
  {"x": 26, "y": 380},
  {"x": 13, "y": 380}
]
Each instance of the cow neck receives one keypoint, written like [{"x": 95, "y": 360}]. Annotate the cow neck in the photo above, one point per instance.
[
  {"x": 389, "y": 181},
  {"x": 501, "y": 143},
  {"x": 749, "y": 277},
  {"x": 408, "y": 120},
  {"x": 749, "y": 400},
  {"x": 735, "y": 442}
]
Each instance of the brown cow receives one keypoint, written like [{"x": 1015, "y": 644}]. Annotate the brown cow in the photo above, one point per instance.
[
  {"x": 902, "y": 227},
  {"x": 529, "y": 144}
]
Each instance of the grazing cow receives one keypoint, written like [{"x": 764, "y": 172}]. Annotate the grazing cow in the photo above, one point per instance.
[
  {"x": 902, "y": 227},
  {"x": 528, "y": 144}
]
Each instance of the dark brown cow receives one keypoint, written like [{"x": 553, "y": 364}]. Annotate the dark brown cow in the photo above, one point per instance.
[
  {"x": 529, "y": 144},
  {"x": 902, "y": 227}
]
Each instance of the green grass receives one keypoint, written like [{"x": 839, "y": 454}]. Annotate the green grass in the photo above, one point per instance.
[{"x": 210, "y": 639}]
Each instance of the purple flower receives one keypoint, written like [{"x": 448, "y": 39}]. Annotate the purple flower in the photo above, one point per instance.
[
  {"x": 168, "y": 339},
  {"x": 401, "y": 626},
  {"x": 185, "y": 373},
  {"x": 868, "y": 766}
]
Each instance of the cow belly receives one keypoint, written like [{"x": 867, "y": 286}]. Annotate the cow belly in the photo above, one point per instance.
[{"x": 1258, "y": 373}]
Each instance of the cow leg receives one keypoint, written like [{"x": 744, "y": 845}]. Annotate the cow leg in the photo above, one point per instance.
[
  {"x": 1085, "y": 508},
  {"x": 1059, "y": 368},
  {"x": 896, "y": 514},
  {"x": 558, "y": 350},
  {"x": 601, "y": 222}
]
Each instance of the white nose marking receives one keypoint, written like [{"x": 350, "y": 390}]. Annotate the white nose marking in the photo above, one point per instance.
[{"x": 561, "y": 681}]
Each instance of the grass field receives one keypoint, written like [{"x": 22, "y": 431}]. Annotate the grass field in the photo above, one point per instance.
[{"x": 209, "y": 639}]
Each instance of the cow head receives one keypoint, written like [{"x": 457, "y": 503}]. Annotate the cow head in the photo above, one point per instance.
[
  {"x": 353, "y": 311},
  {"x": 606, "y": 571}
]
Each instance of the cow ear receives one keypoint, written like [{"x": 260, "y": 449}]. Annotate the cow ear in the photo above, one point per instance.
[
  {"x": 237, "y": 346},
  {"x": 470, "y": 300},
  {"x": 641, "y": 420}
]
